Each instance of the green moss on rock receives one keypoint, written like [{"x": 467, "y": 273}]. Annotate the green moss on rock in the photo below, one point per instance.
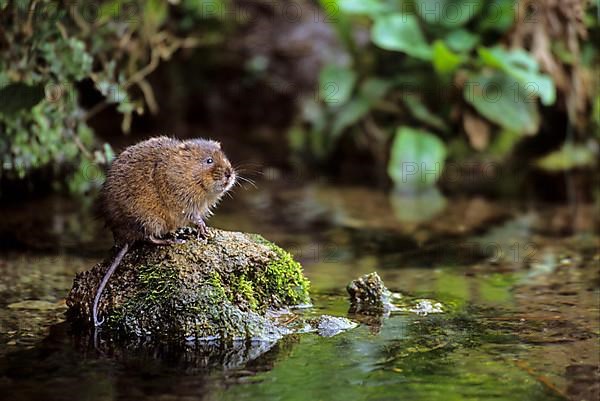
[
  {"x": 284, "y": 277},
  {"x": 218, "y": 288}
]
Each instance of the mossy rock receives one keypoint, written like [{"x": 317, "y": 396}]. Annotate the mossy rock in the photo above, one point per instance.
[{"x": 218, "y": 288}]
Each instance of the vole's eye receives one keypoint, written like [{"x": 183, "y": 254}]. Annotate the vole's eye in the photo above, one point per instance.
[{"x": 209, "y": 160}]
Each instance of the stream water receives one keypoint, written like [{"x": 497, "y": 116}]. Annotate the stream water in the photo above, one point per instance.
[{"x": 520, "y": 285}]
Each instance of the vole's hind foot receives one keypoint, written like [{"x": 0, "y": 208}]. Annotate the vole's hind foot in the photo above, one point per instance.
[{"x": 165, "y": 241}]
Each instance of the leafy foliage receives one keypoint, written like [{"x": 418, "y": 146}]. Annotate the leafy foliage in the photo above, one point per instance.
[
  {"x": 441, "y": 55},
  {"x": 567, "y": 157},
  {"x": 48, "y": 47},
  {"x": 458, "y": 69},
  {"x": 490, "y": 95},
  {"x": 417, "y": 158}
]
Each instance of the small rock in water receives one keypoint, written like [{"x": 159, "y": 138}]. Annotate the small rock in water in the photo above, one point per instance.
[
  {"x": 426, "y": 306},
  {"x": 329, "y": 326},
  {"x": 368, "y": 295}
]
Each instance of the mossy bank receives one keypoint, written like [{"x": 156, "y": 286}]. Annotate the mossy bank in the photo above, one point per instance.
[{"x": 218, "y": 288}]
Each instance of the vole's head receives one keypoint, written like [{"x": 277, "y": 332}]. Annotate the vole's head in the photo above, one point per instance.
[{"x": 211, "y": 169}]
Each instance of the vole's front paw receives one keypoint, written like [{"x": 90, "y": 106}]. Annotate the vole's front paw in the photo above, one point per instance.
[{"x": 201, "y": 230}]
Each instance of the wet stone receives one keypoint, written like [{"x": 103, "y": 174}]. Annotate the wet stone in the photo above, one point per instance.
[
  {"x": 368, "y": 295},
  {"x": 218, "y": 288},
  {"x": 329, "y": 326}
]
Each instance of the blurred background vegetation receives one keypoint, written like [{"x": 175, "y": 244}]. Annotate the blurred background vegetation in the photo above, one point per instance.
[{"x": 359, "y": 90}]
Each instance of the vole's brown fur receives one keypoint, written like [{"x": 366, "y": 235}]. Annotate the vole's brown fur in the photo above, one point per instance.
[
  {"x": 157, "y": 186},
  {"x": 162, "y": 184}
]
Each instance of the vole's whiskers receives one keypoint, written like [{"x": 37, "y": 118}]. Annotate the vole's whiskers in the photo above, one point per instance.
[
  {"x": 248, "y": 180},
  {"x": 243, "y": 165},
  {"x": 249, "y": 168}
]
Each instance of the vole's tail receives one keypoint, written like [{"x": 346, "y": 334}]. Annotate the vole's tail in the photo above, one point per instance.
[{"x": 105, "y": 279}]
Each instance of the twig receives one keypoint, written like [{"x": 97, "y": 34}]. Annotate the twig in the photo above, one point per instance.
[
  {"x": 542, "y": 379},
  {"x": 28, "y": 27},
  {"x": 144, "y": 72},
  {"x": 138, "y": 78},
  {"x": 80, "y": 145},
  {"x": 80, "y": 21},
  {"x": 148, "y": 96}
]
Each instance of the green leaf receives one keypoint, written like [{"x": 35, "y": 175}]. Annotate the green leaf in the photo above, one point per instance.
[
  {"x": 568, "y": 157},
  {"x": 125, "y": 106},
  {"x": 448, "y": 13},
  {"x": 349, "y": 115},
  {"x": 504, "y": 60},
  {"x": 461, "y": 40},
  {"x": 401, "y": 32},
  {"x": 423, "y": 114},
  {"x": 314, "y": 113},
  {"x": 560, "y": 50},
  {"x": 523, "y": 67},
  {"x": 155, "y": 13},
  {"x": 502, "y": 100},
  {"x": 296, "y": 137},
  {"x": 445, "y": 61},
  {"x": 336, "y": 84},
  {"x": 589, "y": 55},
  {"x": 205, "y": 9},
  {"x": 19, "y": 96},
  {"x": 364, "y": 7},
  {"x": 416, "y": 160},
  {"x": 497, "y": 16},
  {"x": 108, "y": 11},
  {"x": 109, "y": 154},
  {"x": 542, "y": 86},
  {"x": 504, "y": 142},
  {"x": 373, "y": 89},
  {"x": 68, "y": 58}
]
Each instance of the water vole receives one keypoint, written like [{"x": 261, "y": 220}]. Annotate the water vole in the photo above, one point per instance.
[{"x": 157, "y": 186}]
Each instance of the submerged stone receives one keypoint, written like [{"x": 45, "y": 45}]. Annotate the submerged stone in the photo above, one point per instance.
[
  {"x": 329, "y": 326},
  {"x": 214, "y": 289}
]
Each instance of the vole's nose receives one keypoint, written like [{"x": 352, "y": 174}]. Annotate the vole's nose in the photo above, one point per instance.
[{"x": 228, "y": 173}]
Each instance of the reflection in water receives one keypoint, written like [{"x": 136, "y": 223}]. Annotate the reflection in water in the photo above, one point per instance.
[
  {"x": 64, "y": 365},
  {"x": 521, "y": 286}
]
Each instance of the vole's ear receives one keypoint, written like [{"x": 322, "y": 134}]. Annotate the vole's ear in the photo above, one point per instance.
[
  {"x": 183, "y": 146},
  {"x": 217, "y": 143}
]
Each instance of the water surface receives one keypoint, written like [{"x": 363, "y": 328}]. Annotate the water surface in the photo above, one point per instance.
[{"x": 520, "y": 285}]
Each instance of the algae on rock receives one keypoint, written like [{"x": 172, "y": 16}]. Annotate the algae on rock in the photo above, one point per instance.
[{"x": 218, "y": 288}]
